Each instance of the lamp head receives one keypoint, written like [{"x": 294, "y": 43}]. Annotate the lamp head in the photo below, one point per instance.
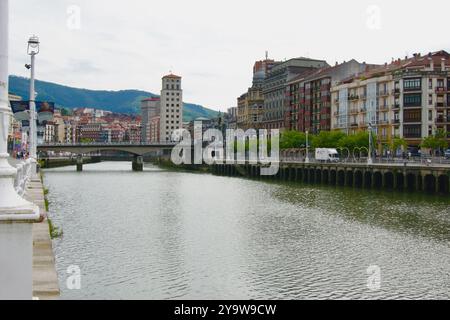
[{"x": 33, "y": 45}]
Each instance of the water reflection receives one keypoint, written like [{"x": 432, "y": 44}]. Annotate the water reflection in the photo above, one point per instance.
[{"x": 159, "y": 234}]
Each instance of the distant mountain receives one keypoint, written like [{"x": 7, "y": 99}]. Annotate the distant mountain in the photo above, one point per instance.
[{"x": 124, "y": 101}]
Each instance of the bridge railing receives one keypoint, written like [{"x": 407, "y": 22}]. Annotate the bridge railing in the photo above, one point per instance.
[
  {"x": 23, "y": 176},
  {"x": 93, "y": 144}
]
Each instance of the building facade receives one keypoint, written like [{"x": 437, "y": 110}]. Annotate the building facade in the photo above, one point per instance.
[
  {"x": 407, "y": 98},
  {"x": 274, "y": 88},
  {"x": 308, "y": 103},
  {"x": 150, "y": 108},
  {"x": 171, "y": 108}
]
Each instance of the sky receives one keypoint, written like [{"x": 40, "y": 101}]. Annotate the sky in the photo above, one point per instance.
[{"x": 118, "y": 45}]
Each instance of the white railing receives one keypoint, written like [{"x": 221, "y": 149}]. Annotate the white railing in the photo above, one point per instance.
[{"x": 23, "y": 176}]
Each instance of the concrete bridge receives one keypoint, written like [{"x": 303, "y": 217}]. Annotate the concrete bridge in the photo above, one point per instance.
[
  {"x": 138, "y": 150},
  {"x": 409, "y": 177}
]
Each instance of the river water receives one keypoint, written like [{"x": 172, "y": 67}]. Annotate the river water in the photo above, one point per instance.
[{"x": 162, "y": 234}]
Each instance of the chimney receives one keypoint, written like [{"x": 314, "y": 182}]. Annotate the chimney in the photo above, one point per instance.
[
  {"x": 431, "y": 62},
  {"x": 442, "y": 64}
]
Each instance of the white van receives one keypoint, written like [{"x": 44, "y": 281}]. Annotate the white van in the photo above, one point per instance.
[{"x": 327, "y": 155}]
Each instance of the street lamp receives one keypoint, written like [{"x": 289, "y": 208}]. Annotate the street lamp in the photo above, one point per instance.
[
  {"x": 369, "y": 157},
  {"x": 33, "y": 50},
  {"x": 307, "y": 148}
]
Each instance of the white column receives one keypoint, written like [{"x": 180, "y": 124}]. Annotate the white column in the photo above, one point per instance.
[{"x": 16, "y": 214}]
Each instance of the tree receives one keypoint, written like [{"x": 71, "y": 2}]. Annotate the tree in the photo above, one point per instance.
[
  {"x": 436, "y": 142},
  {"x": 397, "y": 143},
  {"x": 327, "y": 139},
  {"x": 292, "y": 140}
]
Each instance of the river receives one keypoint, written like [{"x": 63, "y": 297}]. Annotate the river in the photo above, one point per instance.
[{"x": 162, "y": 234}]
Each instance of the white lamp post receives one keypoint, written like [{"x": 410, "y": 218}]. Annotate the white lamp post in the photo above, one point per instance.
[
  {"x": 307, "y": 148},
  {"x": 16, "y": 214},
  {"x": 369, "y": 157},
  {"x": 33, "y": 50}
]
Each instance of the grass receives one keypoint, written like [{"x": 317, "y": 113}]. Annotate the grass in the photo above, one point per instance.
[{"x": 55, "y": 232}]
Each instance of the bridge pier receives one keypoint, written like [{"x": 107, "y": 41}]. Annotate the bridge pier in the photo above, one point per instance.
[
  {"x": 79, "y": 162},
  {"x": 138, "y": 163}
]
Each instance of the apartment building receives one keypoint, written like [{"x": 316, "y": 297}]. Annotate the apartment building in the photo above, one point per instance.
[
  {"x": 407, "y": 98},
  {"x": 251, "y": 104},
  {"x": 308, "y": 103},
  {"x": 150, "y": 108},
  {"x": 274, "y": 88}
]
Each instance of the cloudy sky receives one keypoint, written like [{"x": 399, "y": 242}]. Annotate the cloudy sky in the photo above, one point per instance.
[{"x": 114, "y": 45}]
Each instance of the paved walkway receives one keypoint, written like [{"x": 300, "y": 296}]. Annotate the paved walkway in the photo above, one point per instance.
[{"x": 45, "y": 279}]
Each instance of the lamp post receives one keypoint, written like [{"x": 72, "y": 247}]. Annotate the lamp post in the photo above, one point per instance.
[
  {"x": 33, "y": 50},
  {"x": 16, "y": 214},
  {"x": 369, "y": 157},
  {"x": 307, "y": 148}
]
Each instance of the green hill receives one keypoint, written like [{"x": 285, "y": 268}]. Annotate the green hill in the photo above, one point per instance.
[{"x": 124, "y": 101}]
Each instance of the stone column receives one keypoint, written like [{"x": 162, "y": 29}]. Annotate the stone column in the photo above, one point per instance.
[{"x": 16, "y": 214}]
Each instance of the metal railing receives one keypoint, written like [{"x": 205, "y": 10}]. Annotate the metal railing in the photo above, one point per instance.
[{"x": 93, "y": 144}]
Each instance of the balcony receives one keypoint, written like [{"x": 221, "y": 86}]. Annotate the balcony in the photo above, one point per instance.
[
  {"x": 352, "y": 97},
  {"x": 397, "y": 105},
  {"x": 354, "y": 124},
  {"x": 363, "y": 96},
  {"x": 383, "y": 93},
  {"x": 363, "y": 110},
  {"x": 441, "y": 90},
  {"x": 442, "y": 120},
  {"x": 353, "y": 111},
  {"x": 336, "y": 113},
  {"x": 440, "y": 105},
  {"x": 363, "y": 124},
  {"x": 384, "y": 108},
  {"x": 396, "y": 91},
  {"x": 383, "y": 122}
]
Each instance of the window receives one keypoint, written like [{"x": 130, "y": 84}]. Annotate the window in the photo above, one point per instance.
[
  {"x": 430, "y": 99},
  {"x": 412, "y": 131},
  {"x": 412, "y": 84},
  {"x": 412, "y": 100},
  {"x": 430, "y": 83},
  {"x": 412, "y": 116}
]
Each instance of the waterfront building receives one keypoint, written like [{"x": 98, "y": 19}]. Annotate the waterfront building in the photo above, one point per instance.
[
  {"x": 171, "y": 107},
  {"x": 150, "y": 108},
  {"x": 274, "y": 88},
  {"x": 407, "y": 98},
  {"x": 308, "y": 102},
  {"x": 49, "y": 132},
  {"x": 250, "y": 105},
  {"x": 231, "y": 118},
  {"x": 154, "y": 127}
]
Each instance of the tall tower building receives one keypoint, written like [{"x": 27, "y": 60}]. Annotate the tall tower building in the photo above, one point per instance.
[{"x": 171, "y": 107}]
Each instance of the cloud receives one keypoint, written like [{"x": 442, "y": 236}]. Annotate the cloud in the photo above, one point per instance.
[{"x": 212, "y": 44}]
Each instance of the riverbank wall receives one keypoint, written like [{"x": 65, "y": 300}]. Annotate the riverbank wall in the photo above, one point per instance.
[
  {"x": 408, "y": 178},
  {"x": 48, "y": 163}
]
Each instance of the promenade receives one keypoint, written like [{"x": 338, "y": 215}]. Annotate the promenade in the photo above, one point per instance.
[{"x": 45, "y": 279}]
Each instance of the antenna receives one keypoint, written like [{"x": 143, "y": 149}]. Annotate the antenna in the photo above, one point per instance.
[{"x": 267, "y": 55}]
